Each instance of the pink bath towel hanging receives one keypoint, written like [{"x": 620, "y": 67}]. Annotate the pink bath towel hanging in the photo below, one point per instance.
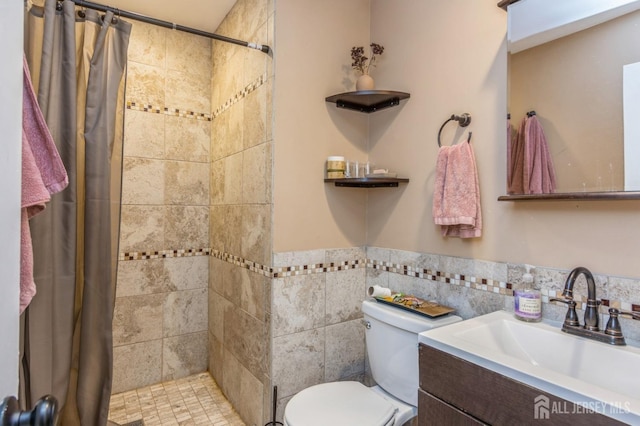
[
  {"x": 43, "y": 174},
  {"x": 539, "y": 174},
  {"x": 456, "y": 198}
]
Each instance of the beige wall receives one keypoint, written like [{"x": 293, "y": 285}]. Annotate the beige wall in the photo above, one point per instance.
[{"x": 312, "y": 61}]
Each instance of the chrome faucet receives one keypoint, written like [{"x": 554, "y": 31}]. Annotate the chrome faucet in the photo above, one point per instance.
[{"x": 590, "y": 329}]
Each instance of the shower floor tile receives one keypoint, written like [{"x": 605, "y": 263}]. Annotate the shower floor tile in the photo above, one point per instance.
[{"x": 193, "y": 400}]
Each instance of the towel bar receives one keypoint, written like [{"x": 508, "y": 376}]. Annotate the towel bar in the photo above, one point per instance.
[{"x": 463, "y": 121}]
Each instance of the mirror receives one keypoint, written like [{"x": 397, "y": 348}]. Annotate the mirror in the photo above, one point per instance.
[{"x": 576, "y": 86}]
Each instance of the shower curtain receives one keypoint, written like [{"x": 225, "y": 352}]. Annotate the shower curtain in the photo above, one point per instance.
[{"x": 77, "y": 60}]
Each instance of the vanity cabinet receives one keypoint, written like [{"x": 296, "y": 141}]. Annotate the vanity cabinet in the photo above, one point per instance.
[{"x": 457, "y": 392}]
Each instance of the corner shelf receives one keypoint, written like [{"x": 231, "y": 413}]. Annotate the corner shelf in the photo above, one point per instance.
[
  {"x": 368, "y": 100},
  {"x": 368, "y": 182}
]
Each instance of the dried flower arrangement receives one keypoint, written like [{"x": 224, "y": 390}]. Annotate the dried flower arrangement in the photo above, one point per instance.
[{"x": 361, "y": 62}]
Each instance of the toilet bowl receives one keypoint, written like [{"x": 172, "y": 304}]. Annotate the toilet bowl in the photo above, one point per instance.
[{"x": 392, "y": 345}]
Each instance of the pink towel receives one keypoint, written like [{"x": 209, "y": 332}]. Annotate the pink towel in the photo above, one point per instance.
[
  {"x": 43, "y": 174},
  {"x": 539, "y": 175},
  {"x": 456, "y": 198}
]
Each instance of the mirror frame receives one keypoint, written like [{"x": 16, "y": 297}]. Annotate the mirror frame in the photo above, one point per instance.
[{"x": 567, "y": 196}]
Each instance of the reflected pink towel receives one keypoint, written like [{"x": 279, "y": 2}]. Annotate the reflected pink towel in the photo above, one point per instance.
[
  {"x": 539, "y": 174},
  {"x": 456, "y": 198},
  {"x": 43, "y": 174}
]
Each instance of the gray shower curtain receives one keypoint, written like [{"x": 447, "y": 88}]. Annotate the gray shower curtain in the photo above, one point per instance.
[{"x": 77, "y": 59}]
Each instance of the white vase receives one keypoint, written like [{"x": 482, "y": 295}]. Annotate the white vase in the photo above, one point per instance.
[{"x": 365, "y": 82}]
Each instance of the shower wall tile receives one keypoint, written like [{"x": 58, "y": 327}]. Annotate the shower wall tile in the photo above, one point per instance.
[
  {"x": 147, "y": 45},
  {"x": 184, "y": 355},
  {"x": 141, "y": 277},
  {"x": 234, "y": 224},
  {"x": 233, "y": 179},
  {"x": 216, "y": 359},
  {"x": 137, "y": 319},
  {"x": 188, "y": 91},
  {"x": 137, "y": 365},
  {"x": 256, "y": 174},
  {"x": 141, "y": 227},
  {"x": 255, "y": 117},
  {"x": 185, "y": 312},
  {"x": 186, "y": 227},
  {"x": 187, "y": 183},
  {"x": 216, "y": 314},
  {"x": 146, "y": 84},
  {"x": 243, "y": 338},
  {"x": 232, "y": 284},
  {"x": 217, "y": 182},
  {"x": 252, "y": 293},
  {"x": 187, "y": 139},
  {"x": 144, "y": 134},
  {"x": 240, "y": 217},
  {"x": 217, "y": 229},
  {"x": 234, "y": 139},
  {"x": 143, "y": 181},
  {"x": 189, "y": 54},
  {"x": 187, "y": 273},
  {"x": 344, "y": 351},
  {"x": 166, "y": 194},
  {"x": 256, "y": 233},
  {"x": 250, "y": 398}
]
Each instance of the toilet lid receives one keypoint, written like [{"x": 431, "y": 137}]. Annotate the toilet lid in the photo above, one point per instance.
[{"x": 338, "y": 404}]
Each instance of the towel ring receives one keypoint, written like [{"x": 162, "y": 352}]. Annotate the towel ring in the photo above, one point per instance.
[{"x": 463, "y": 121}]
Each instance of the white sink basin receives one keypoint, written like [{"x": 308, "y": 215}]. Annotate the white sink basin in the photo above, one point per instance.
[{"x": 599, "y": 376}]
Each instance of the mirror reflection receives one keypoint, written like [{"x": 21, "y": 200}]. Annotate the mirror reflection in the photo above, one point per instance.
[{"x": 577, "y": 86}]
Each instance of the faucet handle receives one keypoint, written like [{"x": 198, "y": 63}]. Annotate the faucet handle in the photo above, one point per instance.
[
  {"x": 563, "y": 299},
  {"x": 571, "y": 319},
  {"x": 633, "y": 315},
  {"x": 613, "y": 325}
]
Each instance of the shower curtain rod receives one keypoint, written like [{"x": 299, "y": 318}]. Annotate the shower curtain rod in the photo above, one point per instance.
[{"x": 142, "y": 18}]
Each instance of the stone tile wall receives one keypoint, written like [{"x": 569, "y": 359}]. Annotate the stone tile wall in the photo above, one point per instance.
[
  {"x": 240, "y": 212},
  {"x": 160, "y": 319},
  {"x": 316, "y": 331}
]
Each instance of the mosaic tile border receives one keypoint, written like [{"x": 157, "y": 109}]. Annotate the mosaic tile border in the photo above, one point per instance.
[
  {"x": 483, "y": 284},
  {"x": 174, "y": 112},
  {"x": 240, "y": 95},
  {"x": 476, "y": 283},
  {"x": 318, "y": 268},
  {"x": 163, "y": 254}
]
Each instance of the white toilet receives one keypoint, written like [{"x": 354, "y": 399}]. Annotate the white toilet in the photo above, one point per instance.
[{"x": 392, "y": 346}]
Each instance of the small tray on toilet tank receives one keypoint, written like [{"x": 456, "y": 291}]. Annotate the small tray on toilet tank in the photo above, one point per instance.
[{"x": 416, "y": 305}]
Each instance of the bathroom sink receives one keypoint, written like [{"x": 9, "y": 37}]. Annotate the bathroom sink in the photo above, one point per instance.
[{"x": 596, "y": 375}]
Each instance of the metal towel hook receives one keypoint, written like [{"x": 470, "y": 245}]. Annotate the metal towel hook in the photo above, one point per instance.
[{"x": 463, "y": 121}]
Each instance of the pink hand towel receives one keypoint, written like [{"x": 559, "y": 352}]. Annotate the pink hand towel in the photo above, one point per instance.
[
  {"x": 539, "y": 174},
  {"x": 43, "y": 174},
  {"x": 456, "y": 199}
]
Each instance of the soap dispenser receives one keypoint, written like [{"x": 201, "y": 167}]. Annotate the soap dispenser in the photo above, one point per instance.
[{"x": 528, "y": 303}]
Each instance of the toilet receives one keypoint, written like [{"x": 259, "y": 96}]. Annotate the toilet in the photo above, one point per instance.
[{"x": 392, "y": 346}]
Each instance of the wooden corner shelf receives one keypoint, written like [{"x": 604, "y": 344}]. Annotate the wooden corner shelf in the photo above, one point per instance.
[
  {"x": 368, "y": 182},
  {"x": 368, "y": 100}
]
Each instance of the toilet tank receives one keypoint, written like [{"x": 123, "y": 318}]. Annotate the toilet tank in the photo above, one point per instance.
[{"x": 392, "y": 346}]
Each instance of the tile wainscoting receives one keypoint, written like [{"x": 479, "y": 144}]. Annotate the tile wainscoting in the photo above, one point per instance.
[{"x": 313, "y": 314}]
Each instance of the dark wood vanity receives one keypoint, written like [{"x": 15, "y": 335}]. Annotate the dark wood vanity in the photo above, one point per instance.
[{"x": 454, "y": 391}]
